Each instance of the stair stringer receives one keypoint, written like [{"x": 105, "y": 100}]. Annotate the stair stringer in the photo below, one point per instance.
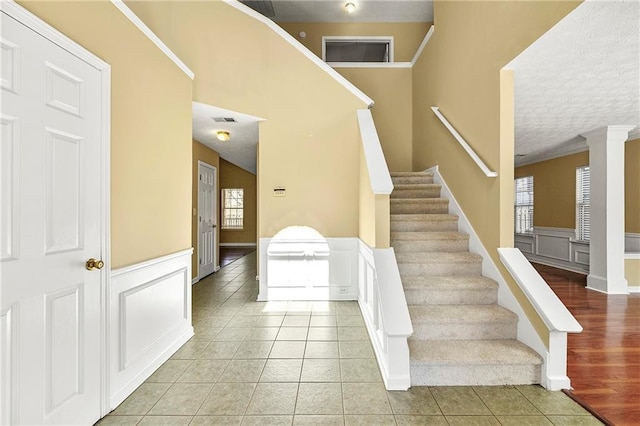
[{"x": 526, "y": 333}]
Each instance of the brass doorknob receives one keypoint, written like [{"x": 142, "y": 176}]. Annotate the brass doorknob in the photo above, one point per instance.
[{"x": 94, "y": 264}]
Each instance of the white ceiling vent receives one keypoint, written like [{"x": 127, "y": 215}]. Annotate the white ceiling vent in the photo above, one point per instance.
[{"x": 224, "y": 119}]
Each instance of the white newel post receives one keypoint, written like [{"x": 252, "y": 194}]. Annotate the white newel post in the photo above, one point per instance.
[{"x": 606, "y": 165}]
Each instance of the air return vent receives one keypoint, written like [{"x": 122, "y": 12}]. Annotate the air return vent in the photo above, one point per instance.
[
  {"x": 264, "y": 7},
  {"x": 224, "y": 119}
]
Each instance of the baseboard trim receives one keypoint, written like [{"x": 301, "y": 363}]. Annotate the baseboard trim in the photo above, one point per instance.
[{"x": 238, "y": 245}]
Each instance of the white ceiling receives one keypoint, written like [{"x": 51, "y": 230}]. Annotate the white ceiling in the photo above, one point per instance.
[
  {"x": 241, "y": 148},
  {"x": 366, "y": 11},
  {"x": 582, "y": 74}
]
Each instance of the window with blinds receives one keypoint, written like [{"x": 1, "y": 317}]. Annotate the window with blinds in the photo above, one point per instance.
[
  {"x": 524, "y": 205},
  {"x": 583, "y": 188},
  {"x": 232, "y": 208}
]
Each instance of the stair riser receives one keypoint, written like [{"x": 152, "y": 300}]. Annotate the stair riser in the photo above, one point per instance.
[
  {"x": 419, "y": 208},
  {"x": 416, "y": 193},
  {"x": 405, "y": 180},
  {"x": 438, "y": 269},
  {"x": 474, "y": 375},
  {"x": 424, "y": 246},
  {"x": 424, "y": 226},
  {"x": 465, "y": 331},
  {"x": 449, "y": 297}
]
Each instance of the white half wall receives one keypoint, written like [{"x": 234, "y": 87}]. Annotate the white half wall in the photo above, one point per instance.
[
  {"x": 558, "y": 247},
  {"x": 308, "y": 269},
  {"x": 150, "y": 319}
]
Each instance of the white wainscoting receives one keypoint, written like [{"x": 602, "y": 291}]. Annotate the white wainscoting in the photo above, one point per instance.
[
  {"x": 308, "y": 269},
  {"x": 557, "y": 247},
  {"x": 150, "y": 319}
]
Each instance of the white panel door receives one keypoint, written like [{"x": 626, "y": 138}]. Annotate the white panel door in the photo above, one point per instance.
[
  {"x": 207, "y": 220},
  {"x": 50, "y": 158}
]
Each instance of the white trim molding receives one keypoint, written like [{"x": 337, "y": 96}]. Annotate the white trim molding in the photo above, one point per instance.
[
  {"x": 426, "y": 39},
  {"x": 238, "y": 244},
  {"x": 150, "y": 319},
  {"x": 300, "y": 47},
  {"x": 527, "y": 334},
  {"x": 555, "y": 247},
  {"x": 122, "y": 7}
]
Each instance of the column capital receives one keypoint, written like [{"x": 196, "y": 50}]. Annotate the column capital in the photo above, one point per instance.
[{"x": 613, "y": 133}]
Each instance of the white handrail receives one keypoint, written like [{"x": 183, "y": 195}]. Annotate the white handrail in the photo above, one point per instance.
[
  {"x": 464, "y": 144},
  {"x": 555, "y": 315},
  {"x": 376, "y": 164}
]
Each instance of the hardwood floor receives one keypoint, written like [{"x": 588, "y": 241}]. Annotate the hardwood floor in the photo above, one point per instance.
[
  {"x": 604, "y": 360},
  {"x": 230, "y": 254}
]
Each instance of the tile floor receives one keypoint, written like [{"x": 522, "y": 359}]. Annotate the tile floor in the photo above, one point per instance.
[{"x": 306, "y": 363}]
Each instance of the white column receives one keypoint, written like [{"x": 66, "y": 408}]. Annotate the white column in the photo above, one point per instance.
[{"x": 606, "y": 248}]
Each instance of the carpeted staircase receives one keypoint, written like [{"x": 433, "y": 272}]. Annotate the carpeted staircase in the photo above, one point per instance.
[{"x": 461, "y": 335}]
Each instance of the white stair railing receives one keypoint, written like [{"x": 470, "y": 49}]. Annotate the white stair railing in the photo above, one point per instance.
[
  {"x": 380, "y": 292},
  {"x": 464, "y": 144},
  {"x": 551, "y": 310}
]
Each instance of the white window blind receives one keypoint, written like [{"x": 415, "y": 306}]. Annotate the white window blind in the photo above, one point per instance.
[
  {"x": 232, "y": 208},
  {"x": 583, "y": 188},
  {"x": 524, "y": 205}
]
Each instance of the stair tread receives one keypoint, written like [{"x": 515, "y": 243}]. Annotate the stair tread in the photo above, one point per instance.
[
  {"x": 434, "y": 257},
  {"x": 439, "y": 314},
  {"x": 401, "y": 186},
  {"x": 452, "y": 283},
  {"x": 404, "y": 174},
  {"x": 471, "y": 352},
  {"x": 422, "y": 217},
  {"x": 434, "y": 200},
  {"x": 426, "y": 235}
]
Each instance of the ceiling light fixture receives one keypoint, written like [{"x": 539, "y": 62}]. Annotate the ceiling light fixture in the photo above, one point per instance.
[
  {"x": 350, "y": 7},
  {"x": 223, "y": 135}
]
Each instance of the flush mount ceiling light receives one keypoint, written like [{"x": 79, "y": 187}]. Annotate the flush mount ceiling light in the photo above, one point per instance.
[
  {"x": 223, "y": 135},
  {"x": 350, "y": 7}
]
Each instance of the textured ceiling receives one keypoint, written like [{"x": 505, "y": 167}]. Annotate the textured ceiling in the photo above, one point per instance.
[
  {"x": 366, "y": 11},
  {"x": 582, "y": 74},
  {"x": 241, "y": 148}
]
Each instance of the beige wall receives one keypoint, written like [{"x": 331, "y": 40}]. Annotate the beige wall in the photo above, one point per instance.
[
  {"x": 389, "y": 88},
  {"x": 310, "y": 140},
  {"x": 632, "y": 186},
  {"x": 150, "y": 130},
  {"x": 554, "y": 184},
  {"x": 232, "y": 176},
  {"x": 211, "y": 157},
  {"x": 459, "y": 71},
  {"x": 407, "y": 36},
  {"x": 632, "y": 272},
  {"x": 554, "y": 189}
]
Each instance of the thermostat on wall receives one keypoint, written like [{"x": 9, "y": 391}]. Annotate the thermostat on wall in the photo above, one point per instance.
[{"x": 279, "y": 192}]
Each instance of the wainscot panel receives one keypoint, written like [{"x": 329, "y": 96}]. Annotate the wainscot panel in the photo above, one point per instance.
[
  {"x": 150, "y": 319},
  {"x": 308, "y": 269}
]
